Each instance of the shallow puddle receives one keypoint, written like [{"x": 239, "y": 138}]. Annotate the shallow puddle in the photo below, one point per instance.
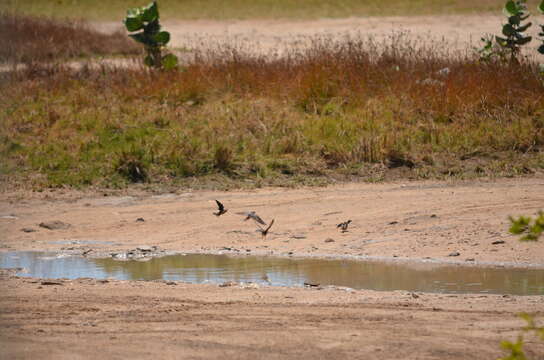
[{"x": 197, "y": 268}]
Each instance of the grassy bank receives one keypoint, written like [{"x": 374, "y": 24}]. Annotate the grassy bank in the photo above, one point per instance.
[
  {"x": 248, "y": 9},
  {"x": 339, "y": 111}
]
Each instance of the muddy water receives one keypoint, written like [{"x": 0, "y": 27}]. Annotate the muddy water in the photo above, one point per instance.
[{"x": 197, "y": 268}]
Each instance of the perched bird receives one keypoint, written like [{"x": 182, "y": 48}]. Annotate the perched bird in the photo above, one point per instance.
[
  {"x": 252, "y": 215},
  {"x": 264, "y": 232},
  {"x": 344, "y": 226},
  {"x": 220, "y": 208}
]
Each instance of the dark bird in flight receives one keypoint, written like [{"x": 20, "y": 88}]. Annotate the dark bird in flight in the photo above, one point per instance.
[
  {"x": 344, "y": 226},
  {"x": 264, "y": 232},
  {"x": 252, "y": 215},
  {"x": 220, "y": 208}
]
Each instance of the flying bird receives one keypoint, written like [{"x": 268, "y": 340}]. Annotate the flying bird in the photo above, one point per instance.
[
  {"x": 264, "y": 232},
  {"x": 220, "y": 208},
  {"x": 344, "y": 226},
  {"x": 252, "y": 215}
]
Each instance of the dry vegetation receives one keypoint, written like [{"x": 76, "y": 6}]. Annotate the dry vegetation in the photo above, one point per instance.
[
  {"x": 349, "y": 109},
  {"x": 29, "y": 38}
]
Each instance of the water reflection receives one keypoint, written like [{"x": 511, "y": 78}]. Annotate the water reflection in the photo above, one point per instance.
[{"x": 291, "y": 272}]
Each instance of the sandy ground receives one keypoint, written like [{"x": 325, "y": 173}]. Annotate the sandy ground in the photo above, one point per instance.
[
  {"x": 86, "y": 318},
  {"x": 457, "y": 31},
  {"x": 414, "y": 220}
]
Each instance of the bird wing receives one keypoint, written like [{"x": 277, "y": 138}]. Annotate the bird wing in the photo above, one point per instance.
[
  {"x": 219, "y": 205},
  {"x": 269, "y": 226},
  {"x": 339, "y": 225},
  {"x": 253, "y": 215},
  {"x": 256, "y": 218}
]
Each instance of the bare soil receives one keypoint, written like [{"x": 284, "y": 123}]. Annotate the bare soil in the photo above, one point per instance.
[
  {"x": 459, "y": 32},
  {"x": 118, "y": 319},
  {"x": 89, "y": 319},
  {"x": 412, "y": 220}
]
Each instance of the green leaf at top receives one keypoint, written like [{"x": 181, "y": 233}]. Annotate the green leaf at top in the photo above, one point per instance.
[
  {"x": 511, "y": 8},
  {"x": 150, "y": 12},
  {"x": 152, "y": 28},
  {"x": 541, "y": 7},
  {"x": 133, "y": 12},
  {"x": 162, "y": 38},
  {"x": 169, "y": 61},
  {"x": 133, "y": 23}
]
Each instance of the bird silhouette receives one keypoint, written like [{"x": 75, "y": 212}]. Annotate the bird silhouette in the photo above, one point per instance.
[
  {"x": 252, "y": 215},
  {"x": 264, "y": 232},
  {"x": 344, "y": 225},
  {"x": 220, "y": 208}
]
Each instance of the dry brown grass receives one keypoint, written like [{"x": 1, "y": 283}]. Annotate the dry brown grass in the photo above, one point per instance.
[
  {"x": 349, "y": 109},
  {"x": 39, "y": 39}
]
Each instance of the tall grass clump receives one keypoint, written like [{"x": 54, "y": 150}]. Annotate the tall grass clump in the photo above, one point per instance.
[{"x": 338, "y": 109}]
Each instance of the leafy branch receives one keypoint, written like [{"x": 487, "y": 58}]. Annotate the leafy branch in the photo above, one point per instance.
[
  {"x": 513, "y": 34},
  {"x": 143, "y": 23}
]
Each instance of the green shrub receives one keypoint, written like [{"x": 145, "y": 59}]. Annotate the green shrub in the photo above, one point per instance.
[
  {"x": 508, "y": 45},
  {"x": 143, "y": 23}
]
